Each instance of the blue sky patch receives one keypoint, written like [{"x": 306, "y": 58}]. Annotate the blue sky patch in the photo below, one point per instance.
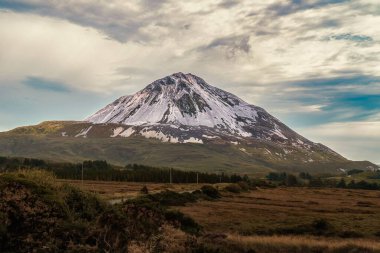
[
  {"x": 43, "y": 84},
  {"x": 351, "y": 37},
  {"x": 338, "y": 81}
]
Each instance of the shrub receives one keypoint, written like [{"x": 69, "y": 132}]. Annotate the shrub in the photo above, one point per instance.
[
  {"x": 320, "y": 225},
  {"x": 244, "y": 186},
  {"x": 187, "y": 224},
  {"x": 291, "y": 180},
  {"x": 210, "y": 191},
  {"x": 341, "y": 184},
  {"x": 275, "y": 176},
  {"x": 82, "y": 205},
  {"x": 234, "y": 188},
  {"x": 171, "y": 198},
  {"x": 354, "y": 171},
  {"x": 144, "y": 190}
]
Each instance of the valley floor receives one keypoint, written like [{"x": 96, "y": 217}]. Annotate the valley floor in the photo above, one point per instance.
[
  {"x": 349, "y": 213},
  {"x": 346, "y": 216}
]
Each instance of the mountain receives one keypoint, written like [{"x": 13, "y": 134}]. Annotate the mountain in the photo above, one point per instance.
[
  {"x": 184, "y": 108},
  {"x": 178, "y": 121}
]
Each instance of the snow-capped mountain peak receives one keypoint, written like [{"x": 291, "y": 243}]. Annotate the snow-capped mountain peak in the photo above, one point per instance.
[
  {"x": 184, "y": 108},
  {"x": 180, "y": 99}
]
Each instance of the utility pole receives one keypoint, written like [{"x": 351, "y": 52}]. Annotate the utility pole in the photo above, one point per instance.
[
  {"x": 197, "y": 178},
  {"x": 171, "y": 176},
  {"x": 82, "y": 173}
]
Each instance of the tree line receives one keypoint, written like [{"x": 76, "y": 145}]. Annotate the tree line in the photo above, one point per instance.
[
  {"x": 305, "y": 179},
  {"x": 102, "y": 170}
]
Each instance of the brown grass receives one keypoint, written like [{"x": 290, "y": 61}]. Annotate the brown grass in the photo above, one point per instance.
[
  {"x": 258, "y": 211},
  {"x": 246, "y": 217},
  {"x": 302, "y": 243}
]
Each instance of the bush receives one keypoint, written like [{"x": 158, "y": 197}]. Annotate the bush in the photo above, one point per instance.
[
  {"x": 171, "y": 198},
  {"x": 354, "y": 171},
  {"x": 261, "y": 183},
  {"x": 234, "y": 188},
  {"x": 341, "y": 184},
  {"x": 82, "y": 205},
  {"x": 210, "y": 191},
  {"x": 276, "y": 176},
  {"x": 321, "y": 225},
  {"x": 187, "y": 224},
  {"x": 144, "y": 190},
  {"x": 291, "y": 180},
  {"x": 244, "y": 186}
]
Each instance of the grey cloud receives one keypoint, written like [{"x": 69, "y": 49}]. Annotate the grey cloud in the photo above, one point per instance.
[
  {"x": 329, "y": 23},
  {"x": 228, "y": 3},
  {"x": 232, "y": 45},
  {"x": 292, "y": 6},
  {"x": 153, "y": 4},
  {"x": 120, "y": 23}
]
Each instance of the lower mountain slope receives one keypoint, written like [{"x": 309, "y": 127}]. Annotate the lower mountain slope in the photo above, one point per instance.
[{"x": 77, "y": 141}]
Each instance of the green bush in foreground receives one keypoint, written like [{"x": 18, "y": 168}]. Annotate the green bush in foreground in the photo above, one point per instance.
[
  {"x": 210, "y": 191},
  {"x": 234, "y": 188}
]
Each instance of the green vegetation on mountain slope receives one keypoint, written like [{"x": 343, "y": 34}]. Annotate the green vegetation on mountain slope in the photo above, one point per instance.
[{"x": 45, "y": 141}]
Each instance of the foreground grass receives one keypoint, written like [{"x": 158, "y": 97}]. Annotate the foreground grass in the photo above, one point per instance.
[
  {"x": 39, "y": 212},
  {"x": 300, "y": 244}
]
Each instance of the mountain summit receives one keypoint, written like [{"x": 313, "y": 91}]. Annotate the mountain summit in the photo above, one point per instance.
[
  {"x": 186, "y": 102},
  {"x": 181, "y": 99}
]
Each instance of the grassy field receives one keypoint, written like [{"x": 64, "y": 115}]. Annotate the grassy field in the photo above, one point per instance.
[
  {"x": 270, "y": 220},
  {"x": 301, "y": 244},
  {"x": 349, "y": 212},
  {"x": 266, "y": 211}
]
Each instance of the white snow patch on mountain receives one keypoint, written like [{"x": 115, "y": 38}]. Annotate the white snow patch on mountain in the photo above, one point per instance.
[
  {"x": 128, "y": 132},
  {"x": 193, "y": 140},
  {"x": 83, "y": 132},
  {"x": 117, "y": 131}
]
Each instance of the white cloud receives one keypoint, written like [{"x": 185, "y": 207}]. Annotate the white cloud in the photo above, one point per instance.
[
  {"x": 54, "y": 49},
  {"x": 240, "y": 44}
]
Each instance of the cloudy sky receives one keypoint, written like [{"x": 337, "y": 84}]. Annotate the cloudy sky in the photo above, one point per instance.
[{"x": 314, "y": 64}]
